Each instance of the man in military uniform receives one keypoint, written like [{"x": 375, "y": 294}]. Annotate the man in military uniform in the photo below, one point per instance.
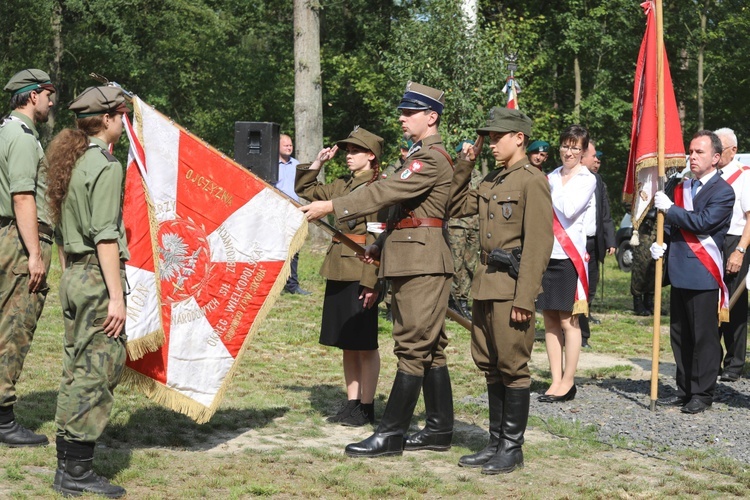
[
  {"x": 464, "y": 240},
  {"x": 25, "y": 239},
  {"x": 538, "y": 152},
  {"x": 515, "y": 233},
  {"x": 414, "y": 253}
]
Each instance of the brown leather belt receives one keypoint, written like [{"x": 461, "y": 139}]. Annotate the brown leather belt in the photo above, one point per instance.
[
  {"x": 85, "y": 259},
  {"x": 44, "y": 228},
  {"x": 359, "y": 239},
  {"x": 412, "y": 222}
]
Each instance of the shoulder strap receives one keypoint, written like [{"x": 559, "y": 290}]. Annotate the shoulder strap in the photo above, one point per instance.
[
  {"x": 444, "y": 153},
  {"x": 109, "y": 156}
]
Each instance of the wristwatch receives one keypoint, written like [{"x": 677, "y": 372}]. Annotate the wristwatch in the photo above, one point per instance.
[{"x": 740, "y": 249}]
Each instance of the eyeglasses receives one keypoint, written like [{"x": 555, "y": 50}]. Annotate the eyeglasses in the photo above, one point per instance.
[{"x": 573, "y": 149}]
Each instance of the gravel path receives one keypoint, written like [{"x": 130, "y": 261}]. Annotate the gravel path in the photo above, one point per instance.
[{"x": 619, "y": 408}]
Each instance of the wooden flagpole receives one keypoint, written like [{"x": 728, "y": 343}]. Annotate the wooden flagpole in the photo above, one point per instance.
[{"x": 660, "y": 142}]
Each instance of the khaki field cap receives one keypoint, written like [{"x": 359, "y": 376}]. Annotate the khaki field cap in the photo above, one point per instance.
[
  {"x": 29, "y": 79},
  {"x": 422, "y": 97},
  {"x": 98, "y": 101},
  {"x": 363, "y": 139},
  {"x": 506, "y": 120}
]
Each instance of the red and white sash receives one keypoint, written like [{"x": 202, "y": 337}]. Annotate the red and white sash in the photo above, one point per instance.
[
  {"x": 580, "y": 262},
  {"x": 730, "y": 180},
  {"x": 706, "y": 250}
]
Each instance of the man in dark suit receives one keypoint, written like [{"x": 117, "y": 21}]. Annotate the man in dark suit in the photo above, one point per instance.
[
  {"x": 697, "y": 223},
  {"x": 600, "y": 235}
]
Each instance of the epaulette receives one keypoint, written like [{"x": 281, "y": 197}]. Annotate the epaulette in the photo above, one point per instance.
[{"x": 109, "y": 156}]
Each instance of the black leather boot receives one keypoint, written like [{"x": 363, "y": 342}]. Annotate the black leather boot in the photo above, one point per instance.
[
  {"x": 464, "y": 308},
  {"x": 438, "y": 401},
  {"x": 495, "y": 395},
  {"x": 389, "y": 437},
  {"x": 16, "y": 435},
  {"x": 509, "y": 454},
  {"x": 648, "y": 301},
  {"x": 76, "y": 478},
  {"x": 639, "y": 306}
]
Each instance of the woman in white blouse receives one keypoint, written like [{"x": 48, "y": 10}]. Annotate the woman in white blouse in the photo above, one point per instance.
[{"x": 565, "y": 281}]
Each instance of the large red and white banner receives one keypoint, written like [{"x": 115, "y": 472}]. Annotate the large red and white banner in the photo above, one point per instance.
[{"x": 210, "y": 250}]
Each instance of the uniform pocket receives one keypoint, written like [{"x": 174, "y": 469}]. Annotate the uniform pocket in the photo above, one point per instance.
[{"x": 409, "y": 236}]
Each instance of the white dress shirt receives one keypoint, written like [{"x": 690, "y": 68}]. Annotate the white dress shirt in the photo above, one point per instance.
[{"x": 571, "y": 201}]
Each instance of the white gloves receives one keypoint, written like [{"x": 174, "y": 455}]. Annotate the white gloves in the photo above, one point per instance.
[
  {"x": 657, "y": 252},
  {"x": 662, "y": 201}
]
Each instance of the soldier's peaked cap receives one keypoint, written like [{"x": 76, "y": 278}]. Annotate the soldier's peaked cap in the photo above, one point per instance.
[
  {"x": 27, "y": 80},
  {"x": 422, "y": 97},
  {"x": 98, "y": 101},
  {"x": 506, "y": 120},
  {"x": 363, "y": 139}
]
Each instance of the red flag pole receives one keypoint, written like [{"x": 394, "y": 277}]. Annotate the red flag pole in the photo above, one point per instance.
[{"x": 660, "y": 141}]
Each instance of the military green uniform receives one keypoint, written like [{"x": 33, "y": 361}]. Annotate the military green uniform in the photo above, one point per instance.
[
  {"x": 515, "y": 210},
  {"x": 464, "y": 240},
  {"x": 416, "y": 259},
  {"x": 22, "y": 169},
  {"x": 92, "y": 361}
]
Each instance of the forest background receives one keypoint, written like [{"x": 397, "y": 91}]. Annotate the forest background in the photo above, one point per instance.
[{"x": 209, "y": 63}]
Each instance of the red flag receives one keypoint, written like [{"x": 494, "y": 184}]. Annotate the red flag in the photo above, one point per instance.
[
  {"x": 511, "y": 88},
  {"x": 642, "y": 174},
  {"x": 213, "y": 259}
]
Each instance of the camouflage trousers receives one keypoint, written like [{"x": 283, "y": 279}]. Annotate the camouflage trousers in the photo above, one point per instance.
[
  {"x": 19, "y": 309},
  {"x": 92, "y": 362},
  {"x": 465, "y": 249},
  {"x": 644, "y": 266}
]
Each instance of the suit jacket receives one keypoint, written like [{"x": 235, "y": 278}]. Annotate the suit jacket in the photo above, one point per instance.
[
  {"x": 605, "y": 229},
  {"x": 712, "y": 212},
  {"x": 341, "y": 263},
  {"x": 422, "y": 185},
  {"x": 515, "y": 210}
]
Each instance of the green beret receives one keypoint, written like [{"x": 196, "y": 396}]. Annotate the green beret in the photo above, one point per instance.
[
  {"x": 421, "y": 97},
  {"x": 506, "y": 120},
  {"x": 99, "y": 101},
  {"x": 538, "y": 147},
  {"x": 599, "y": 154},
  {"x": 363, "y": 139},
  {"x": 27, "y": 80},
  {"x": 460, "y": 146}
]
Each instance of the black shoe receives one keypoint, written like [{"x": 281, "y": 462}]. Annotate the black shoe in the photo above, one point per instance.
[
  {"x": 389, "y": 436},
  {"x": 695, "y": 406},
  {"x": 729, "y": 377},
  {"x": 437, "y": 434},
  {"x": 359, "y": 416},
  {"x": 16, "y": 435},
  {"x": 463, "y": 307},
  {"x": 74, "y": 478},
  {"x": 296, "y": 291},
  {"x": 672, "y": 401},
  {"x": 585, "y": 343},
  {"x": 594, "y": 321},
  {"x": 495, "y": 397},
  {"x": 345, "y": 409},
  {"x": 568, "y": 396},
  {"x": 639, "y": 306}
]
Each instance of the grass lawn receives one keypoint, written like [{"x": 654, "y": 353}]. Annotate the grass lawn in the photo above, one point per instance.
[{"x": 270, "y": 438}]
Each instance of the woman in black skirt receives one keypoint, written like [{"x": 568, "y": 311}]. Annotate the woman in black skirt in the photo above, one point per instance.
[
  {"x": 350, "y": 318},
  {"x": 565, "y": 281}
]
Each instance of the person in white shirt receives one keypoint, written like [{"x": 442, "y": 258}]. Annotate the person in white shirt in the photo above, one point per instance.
[
  {"x": 736, "y": 260},
  {"x": 565, "y": 281},
  {"x": 285, "y": 184}
]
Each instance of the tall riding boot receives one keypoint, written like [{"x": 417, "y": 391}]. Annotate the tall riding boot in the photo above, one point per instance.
[
  {"x": 389, "y": 437},
  {"x": 438, "y": 402},
  {"x": 495, "y": 395},
  {"x": 75, "y": 477},
  {"x": 639, "y": 307},
  {"x": 464, "y": 308},
  {"x": 509, "y": 455}
]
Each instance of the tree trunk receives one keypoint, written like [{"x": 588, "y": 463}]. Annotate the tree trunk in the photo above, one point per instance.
[
  {"x": 308, "y": 100},
  {"x": 57, "y": 51},
  {"x": 577, "y": 98},
  {"x": 701, "y": 54}
]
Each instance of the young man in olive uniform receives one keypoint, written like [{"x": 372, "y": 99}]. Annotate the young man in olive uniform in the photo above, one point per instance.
[
  {"x": 538, "y": 152},
  {"x": 25, "y": 239},
  {"x": 515, "y": 217},
  {"x": 416, "y": 257}
]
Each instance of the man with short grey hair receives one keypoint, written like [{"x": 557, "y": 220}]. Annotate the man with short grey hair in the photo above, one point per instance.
[{"x": 736, "y": 260}]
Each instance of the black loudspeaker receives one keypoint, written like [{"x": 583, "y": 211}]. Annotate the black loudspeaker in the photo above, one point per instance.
[{"x": 256, "y": 147}]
